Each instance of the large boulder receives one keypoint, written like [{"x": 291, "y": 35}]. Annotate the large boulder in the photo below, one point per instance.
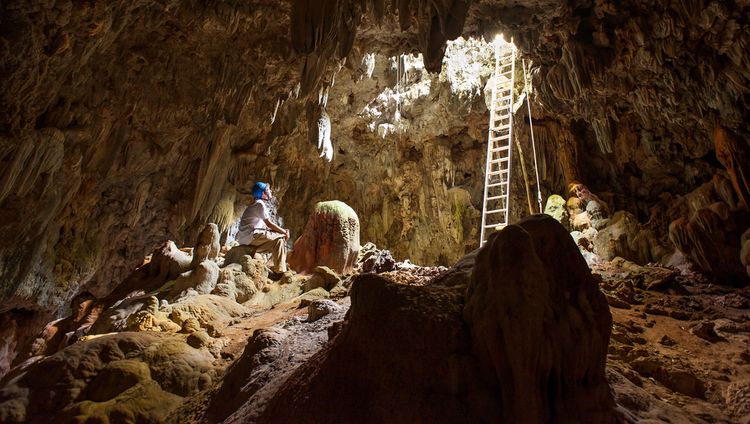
[
  {"x": 126, "y": 377},
  {"x": 540, "y": 326},
  {"x": 330, "y": 238},
  {"x": 525, "y": 342}
]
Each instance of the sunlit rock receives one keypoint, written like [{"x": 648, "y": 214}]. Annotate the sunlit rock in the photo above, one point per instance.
[
  {"x": 330, "y": 238},
  {"x": 207, "y": 246}
]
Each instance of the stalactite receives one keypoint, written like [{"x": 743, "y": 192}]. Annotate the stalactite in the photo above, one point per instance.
[{"x": 30, "y": 161}]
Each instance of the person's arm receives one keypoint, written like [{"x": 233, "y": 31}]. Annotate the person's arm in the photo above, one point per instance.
[{"x": 276, "y": 228}]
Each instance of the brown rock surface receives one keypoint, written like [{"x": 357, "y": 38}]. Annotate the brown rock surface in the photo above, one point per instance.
[
  {"x": 398, "y": 334},
  {"x": 135, "y": 376},
  {"x": 539, "y": 326},
  {"x": 330, "y": 239}
]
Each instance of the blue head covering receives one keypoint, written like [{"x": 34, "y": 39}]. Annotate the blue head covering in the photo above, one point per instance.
[{"x": 258, "y": 189}]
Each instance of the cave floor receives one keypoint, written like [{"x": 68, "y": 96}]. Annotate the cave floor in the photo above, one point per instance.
[
  {"x": 679, "y": 350},
  {"x": 680, "y": 346}
]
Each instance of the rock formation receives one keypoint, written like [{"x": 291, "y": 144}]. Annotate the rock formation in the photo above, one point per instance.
[
  {"x": 550, "y": 368},
  {"x": 127, "y": 123},
  {"x": 330, "y": 238}
]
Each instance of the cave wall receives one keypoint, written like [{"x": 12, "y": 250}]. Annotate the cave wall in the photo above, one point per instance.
[{"x": 117, "y": 122}]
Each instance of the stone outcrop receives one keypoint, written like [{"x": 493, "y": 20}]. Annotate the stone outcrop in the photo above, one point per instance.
[
  {"x": 330, "y": 238},
  {"x": 122, "y": 376},
  {"x": 539, "y": 326},
  {"x": 488, "y": 328},
  {"x": 207, "y": 246}
]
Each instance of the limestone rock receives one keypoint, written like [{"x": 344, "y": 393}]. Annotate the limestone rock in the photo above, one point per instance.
[
  {"x": 534, "y": 270},
  {"x": 207, "y": 309},
  {"x": 378, "y": 261},
  {"x": 116, "y": 318},
  {"x": 198, "y": 339},
  {"x": 745, "y": 251},
  {"x": 625, "y": 237},
  {"x": 167, "y": 263},
  {"x": 263, "y": 348},
  {"x": 322, "y": 277},
  {"x": 307, "y": 298},
  {"x": 241, "y": 282},
  {"x": 389, "y": 323},
  {"x": 200, "y": 280},
  {"x": 710, "y": 238},
  {"x": 330, "y": 238},
  {"x": 207, "y": 246},
  {"x": 555, "y": 207},
  {"x": 115, "y": 378},
  {"x": 738, "y": 399},
  {"x": 85, "y": 310},
  {"x": 135, "y": 376},
  {"x": 320, "y": 308}
]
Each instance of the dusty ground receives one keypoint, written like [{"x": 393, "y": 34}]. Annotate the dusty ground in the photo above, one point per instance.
[{"x": 679, "y": 351}]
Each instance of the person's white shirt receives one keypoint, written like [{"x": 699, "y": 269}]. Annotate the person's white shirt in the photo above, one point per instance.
[{"x": 253, "y": 219}]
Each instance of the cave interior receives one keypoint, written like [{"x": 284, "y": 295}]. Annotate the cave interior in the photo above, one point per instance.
[{"x": 132, "y": 134}]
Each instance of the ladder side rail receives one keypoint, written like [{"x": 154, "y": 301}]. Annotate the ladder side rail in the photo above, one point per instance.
[
  {"x": 489, "y": 147},
  {"x": 510, "y": 131}
]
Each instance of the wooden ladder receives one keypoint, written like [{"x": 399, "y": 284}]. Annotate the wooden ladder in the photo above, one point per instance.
[{"x": 495, "y": 206}]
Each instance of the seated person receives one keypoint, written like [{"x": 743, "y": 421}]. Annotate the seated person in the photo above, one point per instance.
[{"x": 257, "y": 229}]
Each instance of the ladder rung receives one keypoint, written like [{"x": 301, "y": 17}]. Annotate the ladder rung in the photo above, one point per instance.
[
  {"x": 496, "y": 197},
  {"x": 502, "y": 171},
  {"x": 499, "y": 149},
  {"x": 497, "y": 122},
  {"x": 499, "y": 160},
  {"x": 498, "y": 136},
  {"x": 495, "y": 211},
  {"x": 495, "y": 185},
  {"x": 501, "y": 127},
  {"x": 496, "y": 225}
]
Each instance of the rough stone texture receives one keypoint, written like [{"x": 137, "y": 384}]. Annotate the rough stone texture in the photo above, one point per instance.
[
  {"x": 322, "y": 277},
  {"x": 208, "y": 245},
  {"x": 551, "y": 367},
  {"x": 330, "y": 238},
  {"x": 125, "y": 123},
  {"x": 745, "y": 252},
  {"x": 555, "y": 207},
  {"x": 128, "y": 376},
  {"x": 317, "y": 309},
  {"x": 209, "y": 310},
  {"x": 708, "y": 228},
  {"x": 200, "y": 280},
  {"x": 625, "y": 237},
  {"x": 496, "y": 368}
]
